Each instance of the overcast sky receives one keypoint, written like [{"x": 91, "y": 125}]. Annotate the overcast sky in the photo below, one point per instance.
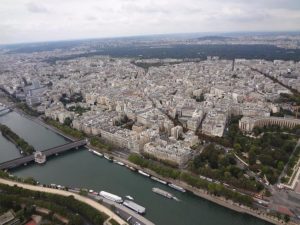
[{"x": 45, "y": 20}]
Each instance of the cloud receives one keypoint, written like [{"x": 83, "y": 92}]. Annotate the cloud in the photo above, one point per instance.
[
  {"x": 143, "y": 8},
  {"x": 91, "y": 18},
  {"x": 33, "y": 20},
  {"x": 36, "y": 8},
  {"x": 160, "y": 7},
  {"x": 244, "y": 15}
]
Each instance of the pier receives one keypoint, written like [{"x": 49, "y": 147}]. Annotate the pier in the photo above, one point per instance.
[{"x": 48, "y": 152}]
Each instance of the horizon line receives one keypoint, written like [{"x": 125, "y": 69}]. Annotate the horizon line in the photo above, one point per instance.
[{"x": 150, "y": 35}]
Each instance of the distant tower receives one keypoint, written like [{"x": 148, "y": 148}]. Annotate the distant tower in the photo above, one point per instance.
[{"x": 233, "y": 61}]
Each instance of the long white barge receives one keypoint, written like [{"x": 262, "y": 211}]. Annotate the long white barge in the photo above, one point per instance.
[
  {"x": 107, "y": 157},
  {"x": 118, "y": 162},
  {"x": 177, "y": 187},
  {"x": 134, "y": 206},
  {"x": 112, "y": 197},
  {"x": 158, "y": 180},
  {"x": 162, "y": 192},
  {"x": 97, "y": 153},
  {"x": 143, "y": 173}
]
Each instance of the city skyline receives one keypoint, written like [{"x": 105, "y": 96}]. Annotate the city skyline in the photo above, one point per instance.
[{"x": 33, "y": 21}]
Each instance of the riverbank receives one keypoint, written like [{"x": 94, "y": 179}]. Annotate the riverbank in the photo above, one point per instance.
[
  {"x": 80, "y": 198},
  {"x": 41, "y": 122}
]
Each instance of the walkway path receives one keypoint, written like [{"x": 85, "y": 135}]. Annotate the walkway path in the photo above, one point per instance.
[
  {"x": 86, "y": 200},
  {"x": 283, "y": 173}
]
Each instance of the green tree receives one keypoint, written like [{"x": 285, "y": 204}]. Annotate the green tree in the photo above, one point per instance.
[
  {"x": 83, "y": 192},
  {"x": 286, "y": 218},
  {"x": 251, "y": 157},
  {"x": 237, "y": 147},
  {"x": 30, "y": 180},
  {"x": 68, "y": 121},
  {"x": 280, "y": 165}
]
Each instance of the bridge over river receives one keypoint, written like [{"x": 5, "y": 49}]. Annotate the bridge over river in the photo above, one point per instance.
[{"x": 48, "y": 152}]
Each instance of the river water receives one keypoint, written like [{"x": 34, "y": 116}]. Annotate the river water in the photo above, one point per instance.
[{"x": 81, "y": 168}]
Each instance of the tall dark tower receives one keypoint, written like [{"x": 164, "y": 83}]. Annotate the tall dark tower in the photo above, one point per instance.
[{"x": 233, "y": 61}]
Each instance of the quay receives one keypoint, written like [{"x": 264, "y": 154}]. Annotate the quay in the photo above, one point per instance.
[{"x": 48, "y": 152}]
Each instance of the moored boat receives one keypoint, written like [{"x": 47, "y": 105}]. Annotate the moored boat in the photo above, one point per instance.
[
  {"x": 134, "y": 206},
  {"x": 158, "y": 180},
  {"x": 120, "y": 163},
  {"x": 107, "y": 157},
  {"x": 97, "y": 153},
  {"x": 162, "y": 192},
  {"x": 132, "y": 168},
  {"x": 112, "y": 197},
  {"x": 177, "y": 187},
  {"x": 129, "y": 197},
  {"x": 143, "y": 173}
]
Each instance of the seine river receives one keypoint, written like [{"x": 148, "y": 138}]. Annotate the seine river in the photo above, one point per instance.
[{"x": 80, "y": 168}]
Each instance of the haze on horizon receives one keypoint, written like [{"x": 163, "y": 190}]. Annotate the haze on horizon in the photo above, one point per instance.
[{"x": 49, "y": 20}]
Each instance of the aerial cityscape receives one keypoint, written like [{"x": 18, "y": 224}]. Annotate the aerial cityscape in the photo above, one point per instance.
[{"x": 164, "y": 124}]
